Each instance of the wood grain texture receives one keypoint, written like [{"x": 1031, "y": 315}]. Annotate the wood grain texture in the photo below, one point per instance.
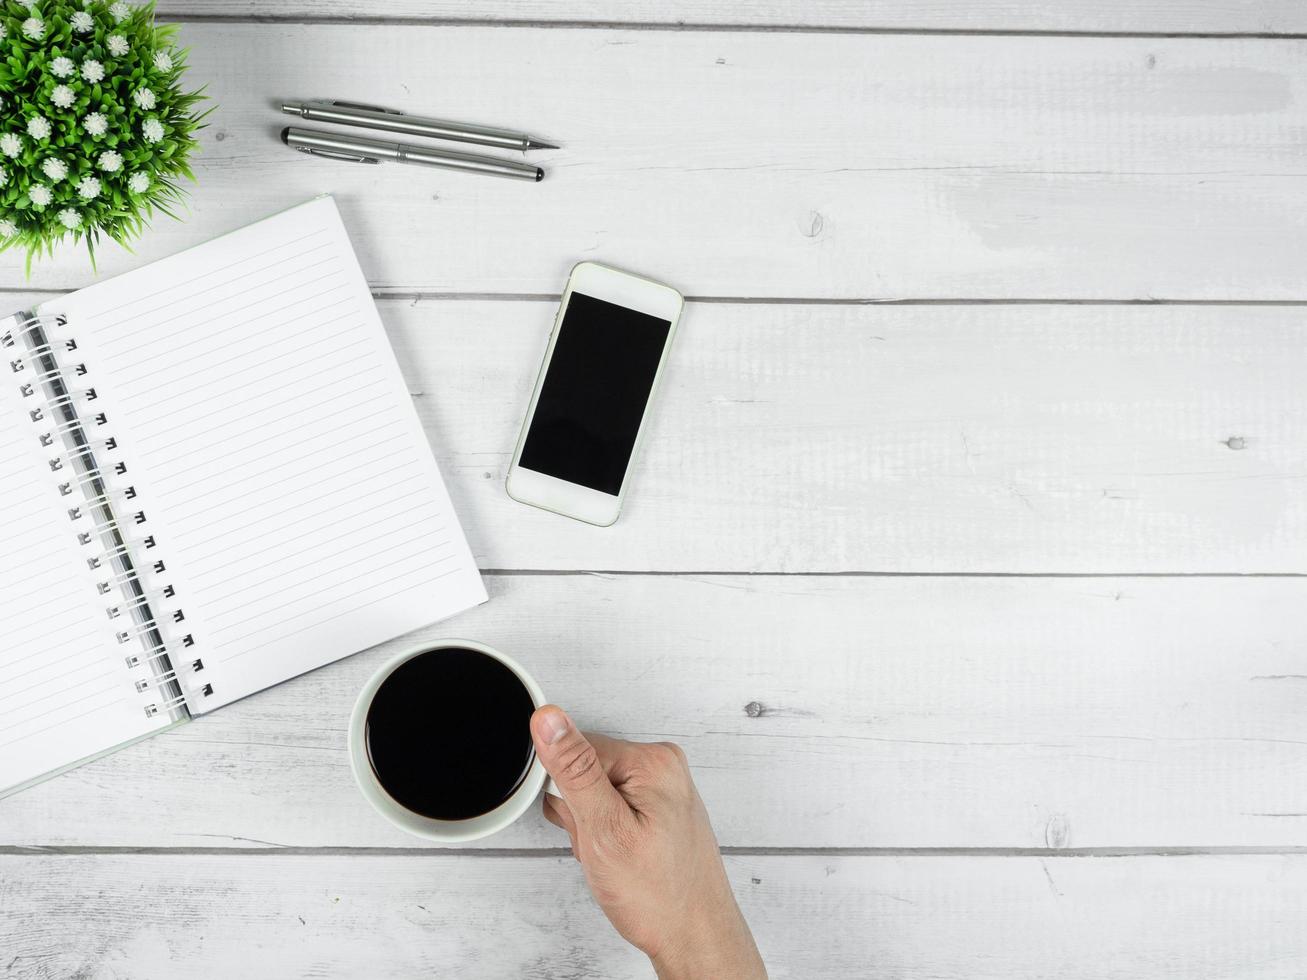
[
  {"x": 1162, "y": 16},
  {"x": 798, "y": 438},
  {"x": 983, "y": 918},
  {"x": 928, "y": 439},
  {"x": 816, "y": 712},
  {"x": 774, "y": 164}
]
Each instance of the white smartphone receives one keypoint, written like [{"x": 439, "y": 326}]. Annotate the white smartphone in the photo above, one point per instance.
[{"x": 605, "y": 358}]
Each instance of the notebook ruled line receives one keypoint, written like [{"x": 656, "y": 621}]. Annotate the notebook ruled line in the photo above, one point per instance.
[
  {"x": 286, "y": 401},
  {"x": 11, "y": 600},
  {"x": 247, "y": 477},
  {"x": 338, "y": 516},
  {"x": 249, "y": 460},
  {"x": 49, "y": 665},
  {"x": 337, "y": 570},
  {"x": 178, "y": 319},
  {"x": 259, "y": 442},
  {"x": 64, "y": 688},
  {"x": 347, "y": 612},
  {"x": 226, "y": 314},
  {"x": 269, "y": 350},
  {"x": 56, "y": 600},
  {"x": 68, "y": 674},
  {"x": 211, "y": 570},
  {"x": 79, "y": 638},
  {"x": 199, "y": 394},
  {"x": 171, "y": 311},
  {"x": 312, "y": 595},
  {"x": 62, "y": 721},
  {"x": 188, "y": 282},
  {"x": 334, "y": 492},
  {"x": 119, "y": 352},
  {"x": 34, "y": 534}
]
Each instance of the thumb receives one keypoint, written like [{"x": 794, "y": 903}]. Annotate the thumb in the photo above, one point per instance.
[{"x": 569, "y": 757}]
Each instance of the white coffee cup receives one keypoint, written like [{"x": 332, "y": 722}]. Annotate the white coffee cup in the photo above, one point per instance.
[{"x": 445, "y": 831}]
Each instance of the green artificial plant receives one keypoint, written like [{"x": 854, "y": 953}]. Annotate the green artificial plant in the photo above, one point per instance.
[{"x": 96, "y": 129}]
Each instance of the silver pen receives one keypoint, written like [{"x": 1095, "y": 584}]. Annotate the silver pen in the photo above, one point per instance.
[
  {"x": 394, "y": 121},
  {"x": 360, "y": 149}
]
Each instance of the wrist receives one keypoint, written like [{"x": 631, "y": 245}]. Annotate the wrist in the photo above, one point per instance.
[{"x": 722, "y": 950}]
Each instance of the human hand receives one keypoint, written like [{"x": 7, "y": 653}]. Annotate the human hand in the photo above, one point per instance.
[{"x": 642, "y": 835}]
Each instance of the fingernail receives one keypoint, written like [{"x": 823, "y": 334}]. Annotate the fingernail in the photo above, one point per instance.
[{"x": 555, "y": 724}]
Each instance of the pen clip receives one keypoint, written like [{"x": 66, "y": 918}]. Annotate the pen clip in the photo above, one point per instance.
[
  {"x": 333, "y": 155},
  {"x": 364, "y": 105}
]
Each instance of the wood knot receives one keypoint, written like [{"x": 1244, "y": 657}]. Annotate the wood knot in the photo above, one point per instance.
[
  {"x": 813, "y": 226},
  {"x": 1236, "y": 442},
  {"x": 754, "y": 710},
  {"x": 1057, "y": 832}
]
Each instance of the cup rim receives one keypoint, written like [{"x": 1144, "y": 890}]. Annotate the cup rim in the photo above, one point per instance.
[{"x": 443, "y": 831}]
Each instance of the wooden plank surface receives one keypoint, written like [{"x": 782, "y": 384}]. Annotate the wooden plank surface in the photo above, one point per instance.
[
  {"x": 818, "y": 438},
  {"x": 802, "y": 438},
  {"x": 816, "y": 712},
  {"x": 157, "y": 917},
  {"x": 775, "y": 164},
  {"x": 1155, "y": 16},
  {"x": 850, "y": 712}
]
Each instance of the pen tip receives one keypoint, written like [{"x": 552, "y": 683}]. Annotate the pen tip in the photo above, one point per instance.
[
  {"x": 284, "y": 134},
  {"x": 537, "y": 145},
  {"x": 540, "y": 175}
]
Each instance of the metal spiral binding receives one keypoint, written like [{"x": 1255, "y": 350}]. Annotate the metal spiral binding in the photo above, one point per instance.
[{"x": 84, "y": 464}]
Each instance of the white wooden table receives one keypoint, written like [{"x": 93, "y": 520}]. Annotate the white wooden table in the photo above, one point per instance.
[{"x": 966, "y": 557}]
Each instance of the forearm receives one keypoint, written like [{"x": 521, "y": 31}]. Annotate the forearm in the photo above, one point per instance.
[{"x": 722, "y": 950}]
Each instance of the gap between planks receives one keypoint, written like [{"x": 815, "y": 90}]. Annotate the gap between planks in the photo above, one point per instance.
[
  {"x": 863, "y": 573},
  {"x": 412, "y": 296},
  {"x": 557, "y": 852},
  {"x": 182, "y": 17}
]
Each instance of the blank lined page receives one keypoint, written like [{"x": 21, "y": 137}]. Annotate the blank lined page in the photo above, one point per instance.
[
  {"x": 65, "y": 691},
  {"x": 288, "y": 483}
]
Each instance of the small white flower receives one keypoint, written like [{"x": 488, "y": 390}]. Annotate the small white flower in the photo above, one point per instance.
[
  {"x": 62, "y": 67},
  {"x": 34, "y": 28},
  {"x": 4, "y": 32},
  {"x": 163, "y": 61},
  {"x": 138, "y": 183},
  {"x": 95, "y": 124},
  {"x": 117, "y": 45},
  {"x": 144, "y": 98},
  {"x": 54, "y": 168},
  {"x": 29, "y": 4},
  {"x": 7, "y": 228},
  {"x": 62, "y": 96},
  {"x": 39, "y": 195},
  {"x": 4, "y": 177},
  {"x": 92, "y": 71},
  {"x": 110, "y": 161},
  {"x": 70, "y": 218},
  {"x": 11, "y": 144},
  {"x": 82, "y": 22},
  {"x": 152, "y": 130},
  {"x": 119, "y": 11},
  {"x": 89, "y": 187},
  {"x": 38, "y": 127}
]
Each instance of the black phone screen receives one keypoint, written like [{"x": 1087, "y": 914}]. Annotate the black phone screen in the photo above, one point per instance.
[{"x": 594, "y": 393}]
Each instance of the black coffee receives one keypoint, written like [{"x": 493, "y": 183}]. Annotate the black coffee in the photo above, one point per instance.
[{"x": 448, "y": 734}]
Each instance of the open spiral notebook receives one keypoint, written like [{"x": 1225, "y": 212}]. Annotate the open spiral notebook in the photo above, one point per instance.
[{"x": 212, "y": 479}]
